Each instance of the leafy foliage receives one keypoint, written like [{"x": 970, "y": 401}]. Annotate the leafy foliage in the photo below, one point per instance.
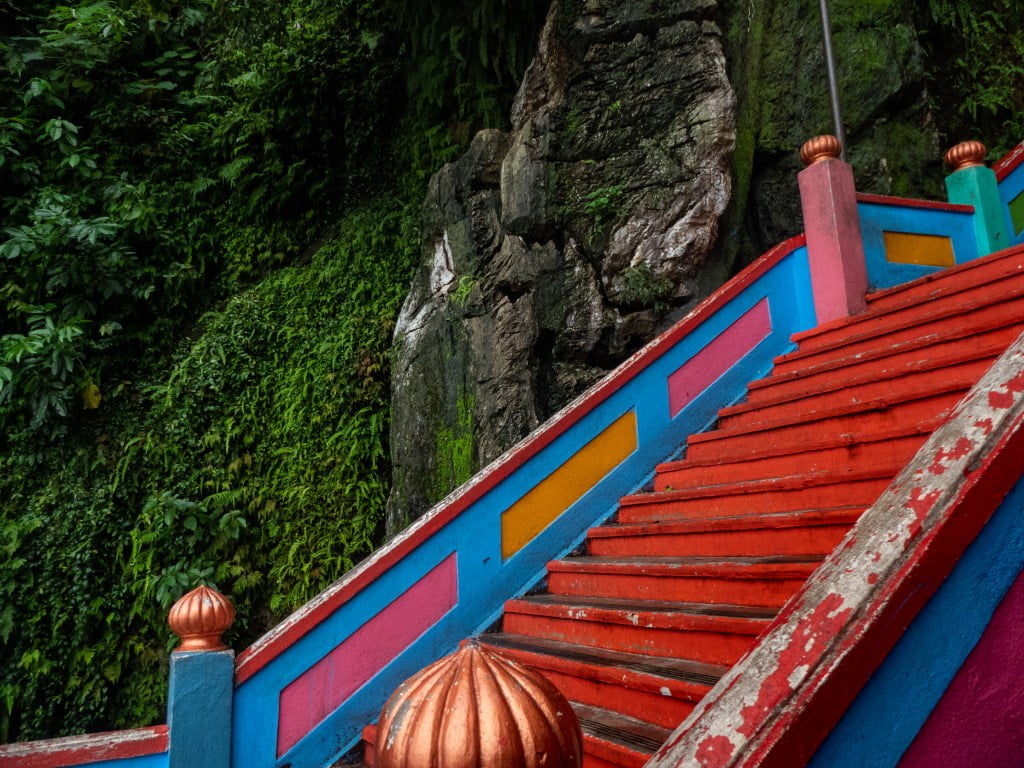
[
  {"x": 981, "y": 85},
  {"x": 208, "y": 218}
]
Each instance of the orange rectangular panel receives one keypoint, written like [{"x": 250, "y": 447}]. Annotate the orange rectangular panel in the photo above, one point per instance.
[
  {"x": 567, "y": 484},
  {"x": 926, "y": 250}
]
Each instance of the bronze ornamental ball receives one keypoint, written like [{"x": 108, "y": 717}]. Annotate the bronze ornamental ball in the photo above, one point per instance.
[
  {"x": 199, "y": 618},
  {"x": 477, "y": 709},
  {"x": 965, "y": 155},
  {"x": 820, "y": 148}
]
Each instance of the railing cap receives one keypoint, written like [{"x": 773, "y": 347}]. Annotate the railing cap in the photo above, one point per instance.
[{"x": 199, "y": 618}]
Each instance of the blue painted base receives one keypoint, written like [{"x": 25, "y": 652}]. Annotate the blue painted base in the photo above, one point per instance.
[{"x": 199, "y": 709}]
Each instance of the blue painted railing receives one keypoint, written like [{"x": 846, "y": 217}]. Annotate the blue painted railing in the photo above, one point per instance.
[{"x": 468, "y": 524}]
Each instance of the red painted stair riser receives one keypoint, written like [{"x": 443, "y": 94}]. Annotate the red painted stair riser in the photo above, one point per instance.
[
  {"x": 989, "y": 340},
  {"x": 886, "y": 455},
  {"x": 808, "y": 540},
  {"x": 916, "y": 416},
  {"x": 707, "y": 647},
  {"x": 997, "y": 266},
  {"x": 768, "y": 498},
  {"x": 770, "y": 593},
  {"x": 881, "y": 321},
  {"x": 798, "y": 397},
  {"x": 887, "y": 337}
]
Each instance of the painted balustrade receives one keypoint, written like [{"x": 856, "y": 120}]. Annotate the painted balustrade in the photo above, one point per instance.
[
  {"x": 304, "y": 691},
  {"x": 1010, "y": 177}
]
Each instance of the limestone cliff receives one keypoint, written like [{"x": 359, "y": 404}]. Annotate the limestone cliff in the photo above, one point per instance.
[{"x": 554, "y": 250}]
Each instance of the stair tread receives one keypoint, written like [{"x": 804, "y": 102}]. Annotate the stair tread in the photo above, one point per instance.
[
  {"x": 752, "y": 521},
  {"x": 838, "y": 384},
  {"x": 620, "y": 729},
  {"x": 806, "y": 480},
  {"x": 682, "y": 670},
  {"x": 644, "y": 606},
  {"x": 872, "y": 323},
  {"x": 878, "y": 403},
  {"x": 951, "y": 273},
  {"x": 918, "y": 429}
]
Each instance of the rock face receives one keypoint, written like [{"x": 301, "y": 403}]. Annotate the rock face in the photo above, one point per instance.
[
  {"x": 777, "y": 65},
  {"x": 554, "y": 250}
]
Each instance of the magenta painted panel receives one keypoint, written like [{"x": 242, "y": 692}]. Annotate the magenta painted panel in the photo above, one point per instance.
[
  {"x": 979, "y": 721},
  {"x": 719, "y": 356},
  {"x": 327, "y": 684}
]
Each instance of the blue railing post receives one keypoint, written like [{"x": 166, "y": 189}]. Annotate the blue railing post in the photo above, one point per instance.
[
  {"x": 973, "y": 183},
  {"x": 202, "y": 682}
]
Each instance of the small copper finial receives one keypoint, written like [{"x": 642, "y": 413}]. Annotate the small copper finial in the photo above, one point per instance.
[
  {"x": 820, "y": 148},
  {"x": 966, "y": 154},
  {"x": 474, "y": 709},
  {"x": 200, "y": 618}
]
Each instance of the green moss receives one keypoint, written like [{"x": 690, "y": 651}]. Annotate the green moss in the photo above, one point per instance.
[{"x": 454, "y": 450}]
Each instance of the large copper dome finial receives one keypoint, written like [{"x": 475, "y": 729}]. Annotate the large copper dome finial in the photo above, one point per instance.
[
  {"x": 820, "y": 148},
  {"x": 966, "y": 154},
  {"x": 477, "y": 709},
  {"x": 200, "y": 618}
]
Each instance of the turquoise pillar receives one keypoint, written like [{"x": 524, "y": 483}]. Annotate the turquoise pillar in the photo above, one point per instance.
[
  {"x": 973, "y": 183},
  {"x": 199, "y": 702}
]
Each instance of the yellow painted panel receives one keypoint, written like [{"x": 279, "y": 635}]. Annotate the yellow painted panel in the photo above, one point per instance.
[
  {"x": 927, "y": 250},
  {"x": 564, "y": 487}
]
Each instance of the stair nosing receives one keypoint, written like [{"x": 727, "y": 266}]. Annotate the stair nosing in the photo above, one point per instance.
[
  {"x": 918, "y": 367},
  {"x": 749, "y": 522},
  {"x": 703, "y": 674},
  {"x": 807, "y": 480},
  {"x": 877, "y": 332}
]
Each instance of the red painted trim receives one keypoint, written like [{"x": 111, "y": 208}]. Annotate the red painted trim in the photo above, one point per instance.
[
  {"x": 908, "y": 202},
  {"x": 1008, "y": 164},
  {"x": 83, "y": 750},
  {"x": 264, "y": 650}
]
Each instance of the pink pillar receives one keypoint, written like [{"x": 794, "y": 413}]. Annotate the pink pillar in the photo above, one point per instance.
[{"x": 839, "y": 275}]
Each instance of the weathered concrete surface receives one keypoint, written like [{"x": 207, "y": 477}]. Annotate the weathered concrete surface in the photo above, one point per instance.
[
  {"x": 775, "y": 706},
  {"x": 555, "y": 250}
]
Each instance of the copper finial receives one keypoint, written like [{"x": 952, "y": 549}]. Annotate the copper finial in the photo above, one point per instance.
[
  {"x": 478, "y": 709},
  {"x": 820, "y": 148},
  {"x": 966, "y": 154},
  {"x": 200, "y": 618}
]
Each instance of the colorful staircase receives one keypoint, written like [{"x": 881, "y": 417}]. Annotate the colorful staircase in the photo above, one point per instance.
[
  {"x": 716, "y": 620},
  {"x": 639, "y": 626}
]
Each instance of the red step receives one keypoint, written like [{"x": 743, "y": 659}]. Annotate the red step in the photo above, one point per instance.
[
  {"x": 789, "y": 458},
  {"x": 880, "y": 335},
  {"x": 858, "y": 487},
  {"x": 611, "y": 740},
  {"x": 659, "y": 690},
  {"x": 911, "y": 311},
  {"x": 714, "y": 634},
  {"x": 806, "y": 532},
  {"x": 926, "y": 352},
  {"x": 803, "y": 400},
  {"x": 998, "y": 266},
  {"x": 900, "y": 413},
  {"x": 760, "y": 581}
]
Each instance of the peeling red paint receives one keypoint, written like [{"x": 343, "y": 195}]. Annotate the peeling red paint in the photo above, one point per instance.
[
  {"x": 1001, "y": 400},
  {"x": 872, "y": 578},
  {"x": 962, "y": 448},
  {"x": 921, "y": 505},
  {"x": 714, "y": 752},
  {"x": 1016, "y": 384},
  {"x": 985, "y": 424},
  {"x": 805, "y": 647}
]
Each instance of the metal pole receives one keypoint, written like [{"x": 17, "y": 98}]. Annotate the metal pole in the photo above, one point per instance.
[{"x": 833, "y": 84}]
